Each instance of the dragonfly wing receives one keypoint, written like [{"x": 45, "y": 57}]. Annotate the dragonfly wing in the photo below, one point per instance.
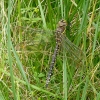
[
  {"x": 26, "y": 29},
  {"x": 72, "y": 49},
  {"x": 31, "y": 37}
]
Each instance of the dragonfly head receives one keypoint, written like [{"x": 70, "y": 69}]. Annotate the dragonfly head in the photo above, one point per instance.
[
  {"x": 61, "y": 27},
  {"x": 62, "y": 23}
]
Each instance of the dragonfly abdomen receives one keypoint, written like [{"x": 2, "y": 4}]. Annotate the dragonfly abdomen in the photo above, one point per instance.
[{"x": 54, "y": 56}]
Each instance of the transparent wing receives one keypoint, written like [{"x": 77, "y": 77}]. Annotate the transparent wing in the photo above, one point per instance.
[
  {"x": 72, "y": 49},
  {"x": 31, "y": 37},
  {"x": 26, "y": 29}
]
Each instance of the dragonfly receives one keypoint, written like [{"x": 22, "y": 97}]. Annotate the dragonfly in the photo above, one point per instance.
[
  {"x": 75, "y": 52},
  {"x": 59, "y": 31}
]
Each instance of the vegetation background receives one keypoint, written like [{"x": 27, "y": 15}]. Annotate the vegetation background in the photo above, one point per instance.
[{"x": 25, "y": 54}]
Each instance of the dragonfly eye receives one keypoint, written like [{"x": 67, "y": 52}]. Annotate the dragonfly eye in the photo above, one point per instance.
[{"x": 62, "y": 23}]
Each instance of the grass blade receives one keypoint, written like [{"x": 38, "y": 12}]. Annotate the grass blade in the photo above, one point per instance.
[
  {"x": 42, "y": 15},
  {"x": 64, "y": 74},
  {"x": 9, "y": 51}
]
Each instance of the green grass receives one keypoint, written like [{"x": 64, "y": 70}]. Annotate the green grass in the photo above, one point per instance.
[{"x": 25, "y": 56}]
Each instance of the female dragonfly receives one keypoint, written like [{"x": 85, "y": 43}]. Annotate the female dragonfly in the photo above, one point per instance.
[{"x": 60, "y": 37}]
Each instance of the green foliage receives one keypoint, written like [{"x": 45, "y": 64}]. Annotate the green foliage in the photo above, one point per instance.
[{"x": 26, "y": 50}]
